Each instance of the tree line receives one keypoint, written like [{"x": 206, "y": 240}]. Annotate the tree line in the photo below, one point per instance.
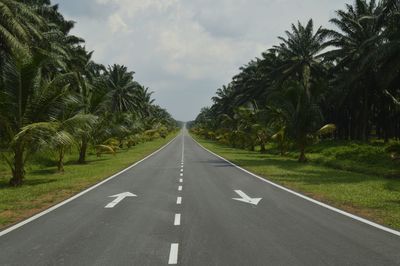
[
  {"x": 54, "y": 96},
  {"x": 344, "y": 82}
]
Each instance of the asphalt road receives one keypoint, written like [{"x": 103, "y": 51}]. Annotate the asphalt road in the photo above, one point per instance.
[{"x": 185, "y": 214}]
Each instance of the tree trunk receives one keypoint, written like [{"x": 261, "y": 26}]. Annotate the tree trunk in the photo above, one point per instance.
[
  {"x": 18, "y": 170},
  {"x": 82, "y": 151},
  {"x": 60, "y": 163},
  {"x": 262, "y": 149},
  {"x": 252, "y": 147},
  {"x": 302, "y": 157},
  {"x": 282, "y": 148},
  {"x": 364, "y": 134}
]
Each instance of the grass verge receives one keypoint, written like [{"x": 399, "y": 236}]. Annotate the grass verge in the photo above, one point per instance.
[
  {"x": 45, "y": 187},
  {"x": 371, "y": 196},
  {"x": 366, "y": 158}
]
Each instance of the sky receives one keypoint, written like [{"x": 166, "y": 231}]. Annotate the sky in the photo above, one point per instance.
[{"x": 184, "y": 50}]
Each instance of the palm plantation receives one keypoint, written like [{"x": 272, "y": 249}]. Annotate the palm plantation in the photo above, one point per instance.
[
  {"x": 340, "y": 83},
  {"x": 54, "y": 97}
]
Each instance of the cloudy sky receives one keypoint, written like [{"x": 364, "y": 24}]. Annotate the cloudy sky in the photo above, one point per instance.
[{"x": 185, "y": 49}]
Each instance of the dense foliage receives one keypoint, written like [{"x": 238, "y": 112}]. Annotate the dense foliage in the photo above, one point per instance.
[
  {"x": 54, "y": 96},
  {"x": 342, "y": 82}
]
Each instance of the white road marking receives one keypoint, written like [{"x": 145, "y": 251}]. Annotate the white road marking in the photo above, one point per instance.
[
  {"x": 246, "y": 199},
  {"x": 180, "y": 188},
  {"x": 355, "y": 217},
  {"x": 180, "y": 180},
  {"x": 181, "y": 170},
  {"x": 177, "y": 220},
  {"x": 183, "y": 148},
  {"x": 119, "y": 198},
  {"x": 18, "y": 225},
  {"x": 173, "y": 254},
  {"x": 181, "y": 174},
  {"x": 179, "y": 200}
]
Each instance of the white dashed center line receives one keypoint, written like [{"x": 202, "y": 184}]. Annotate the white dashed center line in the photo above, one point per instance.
[
  {"x": 179, "y": 200},
  {"x": 183, "y": 149},
  {"x": 173, "y": 254},
  {"x": 177, "y": 220}
]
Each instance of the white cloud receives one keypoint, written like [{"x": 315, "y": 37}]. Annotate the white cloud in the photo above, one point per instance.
[
  {"x": 117, "y": 24},
  {"x": 185, "y": 49},
  {"x": 131, "y": 7}
]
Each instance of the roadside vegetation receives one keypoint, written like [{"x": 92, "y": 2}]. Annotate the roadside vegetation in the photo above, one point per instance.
[
  {"x": 66, "y": 122},
  {"x": 328, "y": 98},
  {"x": 54, "y": 98}
]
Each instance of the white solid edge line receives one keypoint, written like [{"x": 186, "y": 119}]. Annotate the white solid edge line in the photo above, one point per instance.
[
  {"x": 179, "y": 200},
  {"x": 355, "y": 217},
  {"x": 177, "y": 220},
  {"x": 36, "y": 216},
  {"x": 173, "y": 254}
]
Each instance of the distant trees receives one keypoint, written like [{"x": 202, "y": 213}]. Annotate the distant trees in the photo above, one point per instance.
[
  {"x": 343, "y": 82},
  {"x": 54, "y": 96}
]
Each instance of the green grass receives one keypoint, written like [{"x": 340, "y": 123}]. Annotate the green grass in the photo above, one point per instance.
[
  {"x": 45, "y": 187},
  {"x": 367, "y": 158},
  {"x": 369, "y": 195}
]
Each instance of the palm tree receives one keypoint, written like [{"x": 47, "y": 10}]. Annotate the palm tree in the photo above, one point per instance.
[
  {"x": 56, "y": 134},
  {"x": 355, "y": 56},
  {"x": 122, "y": 90},
  {"x": 247, "y": 85},
  {"x": 27, "y": 98},
  {"x": 19, "y": 24},
  {"x": 389, "y": 52},
  {"x": 91, "y": 94},
  {"x": 300, "y": 54},
  {"x": 298, "y": 117},
  {"x": 262, "y": 127},
  {"x": 144, "y": 99},
  {"x": 245, "y": 117}
]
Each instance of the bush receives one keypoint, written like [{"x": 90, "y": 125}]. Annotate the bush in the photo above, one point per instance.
[{"x": 394, "y": 151}]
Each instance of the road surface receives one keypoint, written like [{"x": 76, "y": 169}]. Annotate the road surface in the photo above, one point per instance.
[{"x": 185, "y": 206}]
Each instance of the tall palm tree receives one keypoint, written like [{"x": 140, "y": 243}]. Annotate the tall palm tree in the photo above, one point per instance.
[
  {"x": 91, "y": 93},
  {"x": 27, "y": 98},
  {"x": 123, "y": 90},
  {"x": 145, "y": 102},
  {"x": 298, "y": 116},
  {"x": 389, "y": 52},
  {"x": 300, "y": 54},
  {"x": 355, "y": 50}
]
